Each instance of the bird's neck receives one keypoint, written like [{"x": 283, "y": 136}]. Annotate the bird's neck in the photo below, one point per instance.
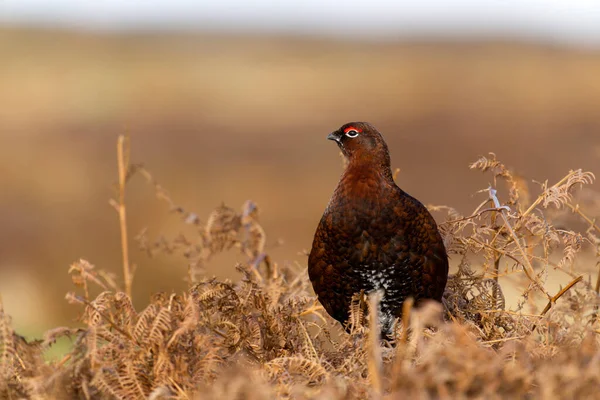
[{"x": 370, "y": 171}]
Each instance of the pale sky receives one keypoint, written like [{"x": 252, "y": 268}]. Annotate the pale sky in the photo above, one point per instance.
[{"x": 566, "y": 21}]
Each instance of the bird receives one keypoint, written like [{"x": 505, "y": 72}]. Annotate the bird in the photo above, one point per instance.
[{"x": 373, "y": 236}]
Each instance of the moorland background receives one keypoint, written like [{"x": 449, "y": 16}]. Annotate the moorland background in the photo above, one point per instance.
[{"x": 225, "y": 118}]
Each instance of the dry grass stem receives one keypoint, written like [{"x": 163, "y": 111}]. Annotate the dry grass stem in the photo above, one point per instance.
[
  {"x": 374, "y": 359},
  {"x": 123, "y": 168},
  {"x": 560, "y": 293}
]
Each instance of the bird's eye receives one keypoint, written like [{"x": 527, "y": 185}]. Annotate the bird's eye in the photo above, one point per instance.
[{"x": 352, "y": 133}]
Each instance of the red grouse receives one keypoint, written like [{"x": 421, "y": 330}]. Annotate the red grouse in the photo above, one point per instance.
[{"x": 374, "y": 236}]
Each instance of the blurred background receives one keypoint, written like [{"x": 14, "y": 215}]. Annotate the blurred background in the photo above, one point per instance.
[{"x": 231, "y": 100}]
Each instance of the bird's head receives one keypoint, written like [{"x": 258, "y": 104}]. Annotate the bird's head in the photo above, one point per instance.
[{"x": 361, "y": 141}]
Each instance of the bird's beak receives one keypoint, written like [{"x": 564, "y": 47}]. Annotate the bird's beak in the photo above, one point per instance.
[{"x": 334, "y": 136}]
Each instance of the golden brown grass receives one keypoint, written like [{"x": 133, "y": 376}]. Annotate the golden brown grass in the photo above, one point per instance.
[{"x": 264, "y": 336}]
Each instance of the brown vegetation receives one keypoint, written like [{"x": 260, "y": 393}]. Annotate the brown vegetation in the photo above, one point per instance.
[{"x": 263, "y": 335}]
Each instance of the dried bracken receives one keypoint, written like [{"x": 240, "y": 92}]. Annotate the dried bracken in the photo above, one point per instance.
[{"x": 264, "y": 336}]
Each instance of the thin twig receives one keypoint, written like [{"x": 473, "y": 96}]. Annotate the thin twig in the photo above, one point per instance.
[
  {"x": 556, "y": 297},
  {"x": 314, "y": 309},
  {"x": 496, "y": 276},
  {"x": 592, "y": 222},
  {"x": 504, "y": 253},
  {"x": 576, "y": 210},
  {"x": 406, "y": 311},
  {"x": 374, "y": 361},
  {"x": 401, "y": 345},
  {"x": 506, "y": 339},
  {"x": 559, "y": 294},
  {"x": 477, "y": 214},
  {"x": 528, "y": 268},
  {"x": 597, "y": 288},
  {"x": 123, "y": 162}
]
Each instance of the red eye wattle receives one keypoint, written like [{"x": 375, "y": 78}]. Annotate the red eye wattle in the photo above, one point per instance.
[
  {"x": 351, "y": 132},
  {"x": 351, "y": 128}
]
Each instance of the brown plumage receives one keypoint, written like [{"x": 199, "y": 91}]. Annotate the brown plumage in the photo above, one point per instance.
[{"x": 374, "y": 236}]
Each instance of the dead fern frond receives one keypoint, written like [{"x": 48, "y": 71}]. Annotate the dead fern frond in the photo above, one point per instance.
[
  {"x": 82, "y": 272},
  {"x": 357, "y": 312},
  {"x": 127, "y": 313},
  {"x": 559, "y": 194},
  {"x": 289, "y": 367},
  {"x": 572, "y": 242},
  {"x": 492, "y": 165},
  {"x": 221, "y": 228}
]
